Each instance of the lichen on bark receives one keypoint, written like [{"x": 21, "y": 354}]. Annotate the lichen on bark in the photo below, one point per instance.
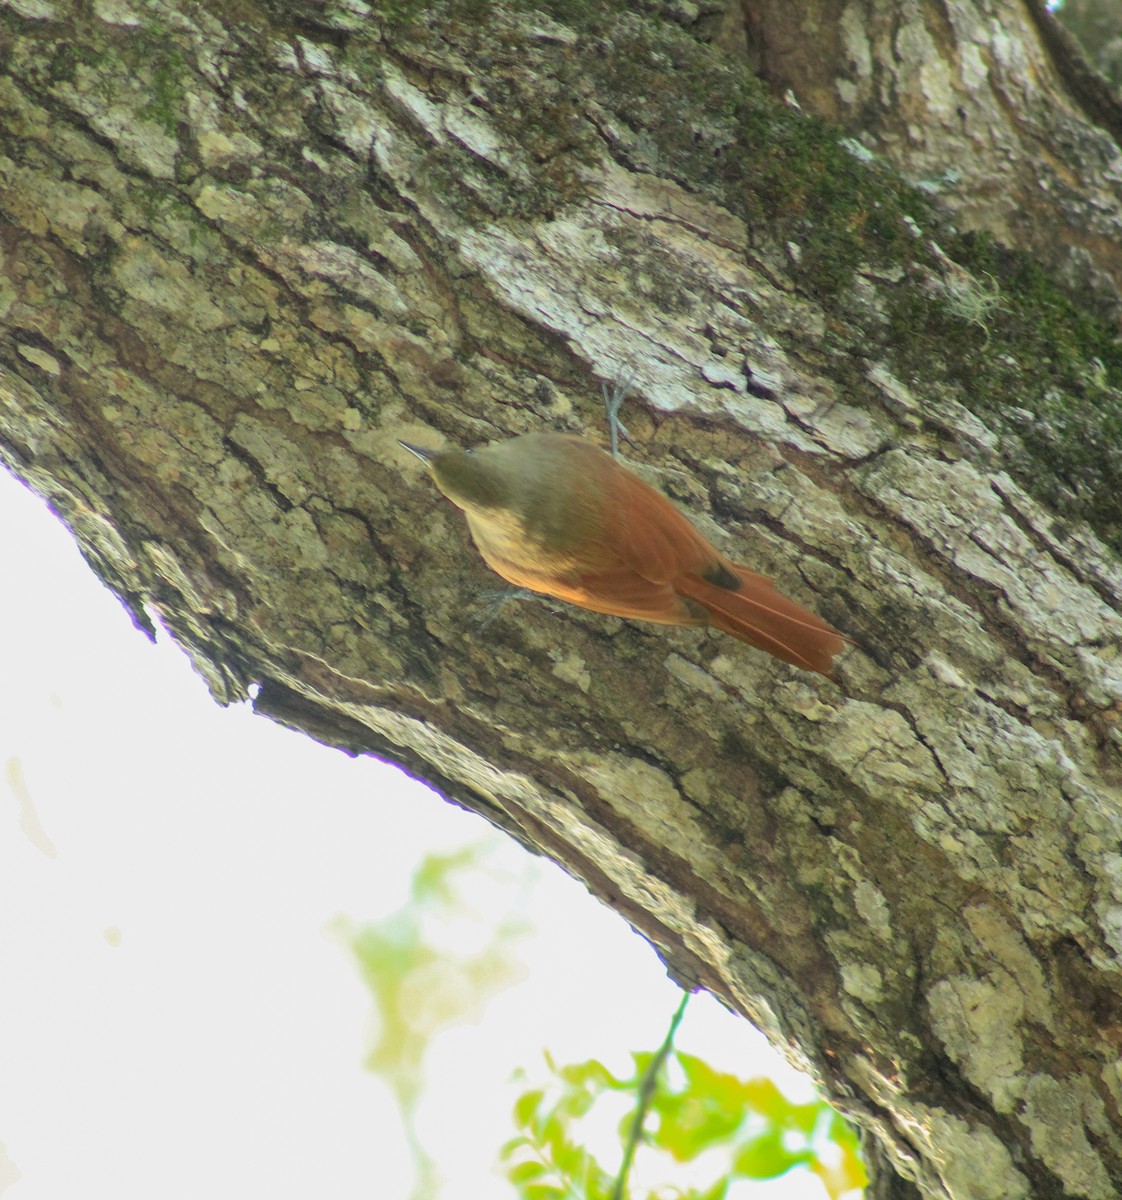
[{"x": 246, "y": 250}]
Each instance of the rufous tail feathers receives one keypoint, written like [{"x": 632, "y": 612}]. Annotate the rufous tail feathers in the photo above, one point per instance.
[{"x": 759, "y": 614}]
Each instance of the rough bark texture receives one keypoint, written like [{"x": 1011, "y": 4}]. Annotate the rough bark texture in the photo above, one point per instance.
[
  {"x": 244, "y": 253},
  {"x": 987, "y": 102}
]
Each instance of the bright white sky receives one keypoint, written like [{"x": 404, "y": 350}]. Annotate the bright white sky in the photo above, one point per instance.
[{"x": 176, "y": 1019}]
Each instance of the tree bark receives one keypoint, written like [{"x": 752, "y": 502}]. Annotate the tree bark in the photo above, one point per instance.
[
  {"x": 989, "y": 103},
  {"x": 247, "y": 249},
  {"x": 1098, "y": 29}
]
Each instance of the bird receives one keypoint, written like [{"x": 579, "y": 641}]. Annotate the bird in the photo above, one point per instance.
[{"x": 556, "y": 514}]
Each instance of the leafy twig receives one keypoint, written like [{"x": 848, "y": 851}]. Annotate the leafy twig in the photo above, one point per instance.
[{"x": 646, "y": 1094}]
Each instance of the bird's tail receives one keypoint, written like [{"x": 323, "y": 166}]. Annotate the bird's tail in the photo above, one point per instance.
[{"x": 756, "y": 612}]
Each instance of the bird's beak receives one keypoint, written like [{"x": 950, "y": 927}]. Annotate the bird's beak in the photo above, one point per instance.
[{"x": 423, "y": 454}]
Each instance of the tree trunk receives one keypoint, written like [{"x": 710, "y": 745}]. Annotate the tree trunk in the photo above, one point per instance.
[
  {"x": 989, "y": 103},
  {"x": 247, "y": 249}
]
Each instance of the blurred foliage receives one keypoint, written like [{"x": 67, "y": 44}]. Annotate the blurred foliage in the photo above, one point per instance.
[
  {"x": 745, "y": 1128},
  {"x": 437, "y": 961},
  {"x": 434, "y": 963}
]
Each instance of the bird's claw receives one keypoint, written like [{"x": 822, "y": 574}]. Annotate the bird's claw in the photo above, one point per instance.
[
  {"x": 496, "y": 599},
  {"x": 613, "y": 401}
]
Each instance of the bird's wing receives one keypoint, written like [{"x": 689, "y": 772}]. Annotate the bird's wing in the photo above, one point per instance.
[
  {"x": 657, "y": 542},
  {"x": 646, "y": 533},
  {"x": 619, "y": 591}
]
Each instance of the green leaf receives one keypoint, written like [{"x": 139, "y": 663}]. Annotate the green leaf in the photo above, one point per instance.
[
  {"x": 718, "y": 1191},
  {"x": 708, "y": 1111},
  {"x": 523, "y": 1172},
  {"x": 576, "y": 1104},
  {"x": 552, "y": 1131},
  {"x": 688, "y": 1125},
  {"x": 507, "y": 1149},
  {"x": 544, "y": 1191},
  {"x": 763, "y": 1097},
  {"x": 765, "y": 1157},
  {"x": 572, "y": 1161},
  {"x": 696, "y": 1109},
  {"x": 526, "y": 1107},
  {"x": 589, "y": 1073},
  {"x": 805, "y": 1117}
]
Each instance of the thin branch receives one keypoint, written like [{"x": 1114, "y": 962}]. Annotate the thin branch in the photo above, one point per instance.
[{"x": 646, "y": 1094}]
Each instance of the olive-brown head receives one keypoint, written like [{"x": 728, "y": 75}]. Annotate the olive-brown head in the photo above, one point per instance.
[{"x": 469, "y": 479}]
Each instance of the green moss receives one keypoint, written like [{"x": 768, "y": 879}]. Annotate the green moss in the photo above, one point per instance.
[
  {"x": 1015, "y": 346},
  {"x": 68, "y": 56},
  {"x": 168, "y": 93},
  {"x": 1043, "y": 369},
  {"x": 713, "y": 127}
]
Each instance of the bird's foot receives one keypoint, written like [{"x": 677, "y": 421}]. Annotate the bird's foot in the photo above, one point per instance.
[
  {"x": 614, "y": 398},
  {"x": 496, "y": 599}
]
